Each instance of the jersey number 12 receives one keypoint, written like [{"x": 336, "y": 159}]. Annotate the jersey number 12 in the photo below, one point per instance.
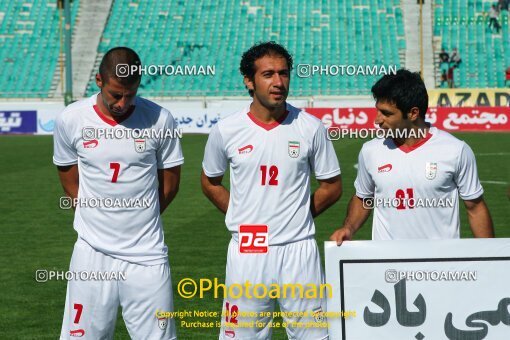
[{"x": 272, "y": 174}]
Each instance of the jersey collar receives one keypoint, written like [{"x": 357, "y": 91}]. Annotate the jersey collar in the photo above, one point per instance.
[
  {"x": 269, "y": 126},
  {"x": 108, "y": 120},
  {"x": 407, "y": 149}
]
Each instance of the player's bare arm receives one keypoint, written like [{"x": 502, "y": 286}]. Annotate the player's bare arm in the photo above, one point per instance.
[
  {"x": 215, "y": 191},
  {"x": 328, "y": 192},
  {"x": 357, "y": 214},
  {"x": 479, "y": 218},
  {"x": 169, "y": 180},
  {"x": 69, "y": 178}
]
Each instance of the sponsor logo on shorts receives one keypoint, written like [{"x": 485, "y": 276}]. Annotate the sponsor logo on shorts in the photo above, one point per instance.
[
  {"x": 318, "y": 315},
  {"x": 78, "y": 333},
  {"x": 385, "y": 168},
  {"x": 162, "y": 323},
  {"x": 245, "y": 149},
  {"x": 253, "y": 239},
  {"x": 230, "y": 333}
]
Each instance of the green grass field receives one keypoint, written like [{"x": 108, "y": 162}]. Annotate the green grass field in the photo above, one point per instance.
[{"x": 36, "y": 234}]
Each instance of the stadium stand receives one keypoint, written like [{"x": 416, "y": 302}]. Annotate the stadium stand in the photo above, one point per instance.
[
  {"x": 195, "y": 33},
  {"x": 29, "y": 36},
  {"x": 319, "y": 32},
  {"x": 485, "y": 54}
]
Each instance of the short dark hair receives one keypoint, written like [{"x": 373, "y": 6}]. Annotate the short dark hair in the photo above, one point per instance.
[
  {"x": 120, "y": 56},
  {"x": 261, "y": 50},
  {"x": 405, "y": 89}
]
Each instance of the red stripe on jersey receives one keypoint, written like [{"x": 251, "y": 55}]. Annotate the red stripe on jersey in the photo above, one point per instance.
[
  {"x": 110, "y": 121},
  {"x": 408, "y": 149},
  {"x": 269, "y": 126}
]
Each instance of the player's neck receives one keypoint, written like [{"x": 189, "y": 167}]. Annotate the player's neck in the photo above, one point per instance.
[
  {"x": 416, "y": 134},
  {"x": 104, "y": 110},
  {"x": 267, "y": 115}
]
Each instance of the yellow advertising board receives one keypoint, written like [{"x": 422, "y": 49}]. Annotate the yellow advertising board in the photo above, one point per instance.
[{"x": 469, "y": 97}]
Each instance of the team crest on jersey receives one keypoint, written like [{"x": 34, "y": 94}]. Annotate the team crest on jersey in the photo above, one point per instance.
[
  {"x": 162, "y": 323},
  {"x": 293, "y": 149},
  {"x": 318, "y": 315},
  {"x": 140, "y": 145},
  {"x": 430, "y": 170}
]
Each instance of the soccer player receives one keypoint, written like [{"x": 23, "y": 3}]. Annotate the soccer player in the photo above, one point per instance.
[
  {"x": 127, "y": 238},
  {"x": 272, "y": 148},
  {"x": 399, "y": 175}
]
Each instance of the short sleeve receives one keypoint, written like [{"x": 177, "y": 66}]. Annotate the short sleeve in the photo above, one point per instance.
[
  {"x": 364, "y": 184},
  {"x": 64, "y": 151},
  {"x": 466, "y": 175},
  {"x": 169, "y": 153},
  {"x": 323, "y": 159},
  {"x": 215, "y": 157}
]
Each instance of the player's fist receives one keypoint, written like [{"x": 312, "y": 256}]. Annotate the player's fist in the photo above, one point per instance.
[{"x": 342, "y": 234}]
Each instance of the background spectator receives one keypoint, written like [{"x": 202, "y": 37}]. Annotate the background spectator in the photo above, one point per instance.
[
  {"x": 493, "y": 19},
  {"x": 455, "y": 58},
  {"x": 444, "y": 56},
  {"x": 449, "y": 77},
  {"x": 444, "y": 65},
  {"x": 503, "y": 5}
]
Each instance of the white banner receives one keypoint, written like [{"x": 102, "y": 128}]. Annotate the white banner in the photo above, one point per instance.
[
  {"x": 419, "y": 289},
  {"x": 192, "y": 116}
]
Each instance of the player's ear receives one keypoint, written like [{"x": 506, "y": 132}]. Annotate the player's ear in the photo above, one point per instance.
[
  {"x": 413, "y": 114},
  {"x": 249, "y": 83},
  {"x": 99, "y": 80}
]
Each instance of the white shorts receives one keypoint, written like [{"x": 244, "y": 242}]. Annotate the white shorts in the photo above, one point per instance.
[
  {"x": 91, "y": 305},
  {"x": 294, "y": 264}
]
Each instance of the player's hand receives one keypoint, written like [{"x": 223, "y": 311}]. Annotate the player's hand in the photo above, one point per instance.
[{"x": 342, "y": 234}]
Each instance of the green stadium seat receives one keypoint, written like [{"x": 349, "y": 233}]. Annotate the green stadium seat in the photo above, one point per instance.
[
  {"x": 322, "y": 32},
  {"x": 38, "y": 43}
]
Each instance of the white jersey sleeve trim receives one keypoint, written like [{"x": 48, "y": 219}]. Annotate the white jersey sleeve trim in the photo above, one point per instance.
[
  {"x": 64, "y": 150},
  {"x": 59, "y": 163},
  {"x": 172, "y": 164},
  {"x": 472, "y": 196},
  {"x": 364, "y": 184},
  {"x": 466, "y": 177},
  {"x": 363, "y": 195},
  {"x": 215, "y": 157},
  {"x": 212, "y": 174},
  {"x": 323, "y": 160},
  {"x": 328, "y": 175},
  {"x": 169, "y": 153}
]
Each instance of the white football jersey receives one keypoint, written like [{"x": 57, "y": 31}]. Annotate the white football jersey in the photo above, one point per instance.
[
  {"x": 270, "y": 167},
  {"x": 416, "y": 189},
  {"x": 122, "y": 172}
]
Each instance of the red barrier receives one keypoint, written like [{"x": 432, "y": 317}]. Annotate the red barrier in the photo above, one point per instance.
[{"x": 446, "y": 118}]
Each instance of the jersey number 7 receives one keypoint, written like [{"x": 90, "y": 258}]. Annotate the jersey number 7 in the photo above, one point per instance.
[{"x": 116, "y": 169}]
